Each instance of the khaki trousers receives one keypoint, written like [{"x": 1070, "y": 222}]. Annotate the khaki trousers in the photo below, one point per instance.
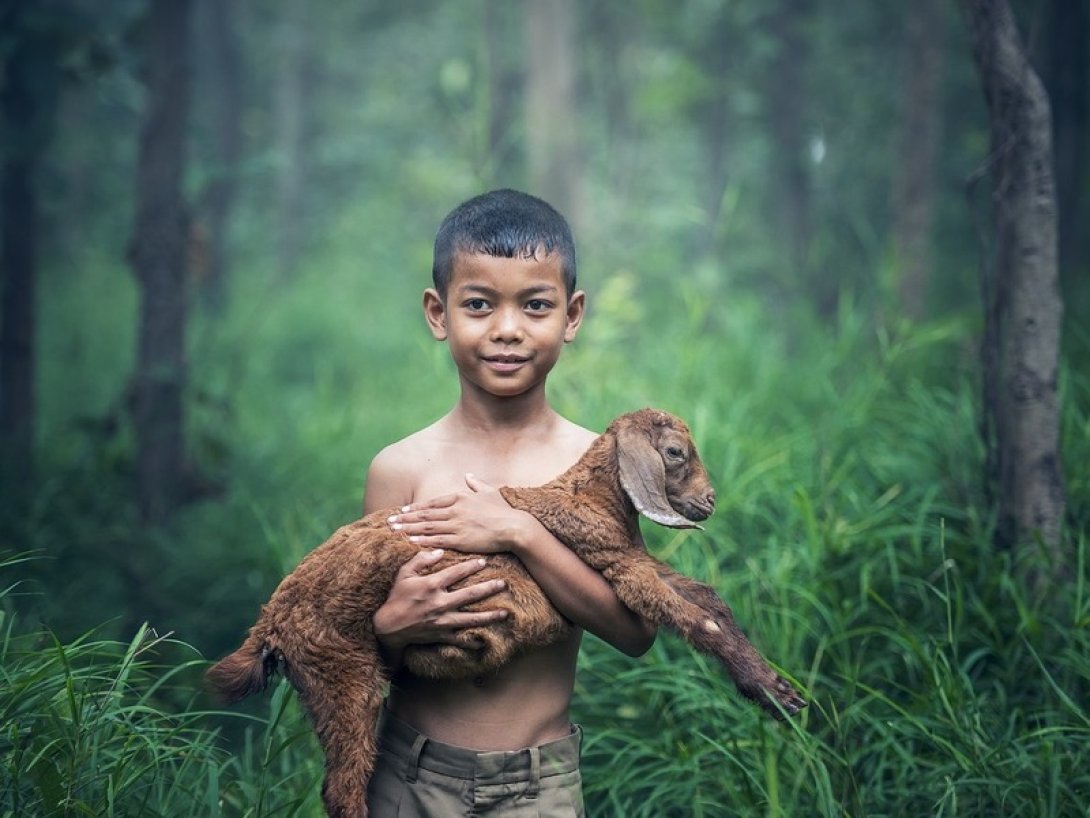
[{"x": 416, "y": 777}]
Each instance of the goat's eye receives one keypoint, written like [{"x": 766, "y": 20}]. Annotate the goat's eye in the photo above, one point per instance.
[{"x": 675, "y": 453}]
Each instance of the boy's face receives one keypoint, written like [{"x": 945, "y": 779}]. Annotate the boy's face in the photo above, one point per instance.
[{"x": 505, "y": 319}]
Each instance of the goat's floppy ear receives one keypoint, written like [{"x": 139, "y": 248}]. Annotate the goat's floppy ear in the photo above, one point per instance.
[{"x": 643, "y": 477}]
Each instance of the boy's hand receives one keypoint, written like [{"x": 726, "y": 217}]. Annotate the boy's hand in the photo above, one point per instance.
[
  {"x": 421, "y": 608},
  {"x": 480, "y": 521}
]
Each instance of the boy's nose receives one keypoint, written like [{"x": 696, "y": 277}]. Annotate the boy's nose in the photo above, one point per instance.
[{"x": 506, "y": 328}]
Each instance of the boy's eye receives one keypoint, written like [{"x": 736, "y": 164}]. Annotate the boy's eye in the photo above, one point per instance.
[
  {"x": 537, "y": 305},
  {"x": 476, "y": 304}
]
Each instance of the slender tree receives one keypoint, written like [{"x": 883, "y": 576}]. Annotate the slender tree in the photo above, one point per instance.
[
  {"x": 790, "y": 131},
  {"x": 158, "y": 257},
  {"x": 1023, "y": 307},
  {"x": 914, "y": 176},
  {"x": 29, "y": 86},
  {"x": 614, "y": 28},
  {"x": 551, "y": 132},
  {"x": 716, "y": 54},
  {"x": 504, "y": 85},
  {"x": 1065, "y": 62},
  {"x": 223, "y": 53},
  {"x": 293, "y": 89}
]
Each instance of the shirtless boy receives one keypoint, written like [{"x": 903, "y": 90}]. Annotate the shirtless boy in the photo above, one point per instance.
[{"x": 504, "y": 300}]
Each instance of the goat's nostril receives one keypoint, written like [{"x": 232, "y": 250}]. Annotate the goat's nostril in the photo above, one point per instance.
[{"x": 711, "y": 498}]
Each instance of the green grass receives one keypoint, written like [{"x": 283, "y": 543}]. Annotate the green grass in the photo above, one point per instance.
[
  {"x": 851, "y": 538},
  {"x": 97, "y": 727}
]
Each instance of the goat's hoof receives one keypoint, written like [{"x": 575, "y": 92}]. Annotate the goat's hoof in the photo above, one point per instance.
[{"x": 785, "y": 695}]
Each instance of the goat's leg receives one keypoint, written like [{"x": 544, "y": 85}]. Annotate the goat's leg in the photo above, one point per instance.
[
  {"x": 693, "y": 609},
  {"x": 749, "y": 670},
  {"x": 343, "y": 697}
]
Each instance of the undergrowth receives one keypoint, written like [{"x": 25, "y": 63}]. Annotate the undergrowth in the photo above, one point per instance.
[
  {"x": 87, "y": 731},
  {"x": 851, "y": 537}
]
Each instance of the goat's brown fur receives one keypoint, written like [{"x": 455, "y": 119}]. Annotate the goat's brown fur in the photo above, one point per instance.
[{"x": 318, "y": 624}]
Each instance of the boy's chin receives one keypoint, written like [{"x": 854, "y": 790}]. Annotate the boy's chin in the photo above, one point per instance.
[{"x": 507, "y": 387}]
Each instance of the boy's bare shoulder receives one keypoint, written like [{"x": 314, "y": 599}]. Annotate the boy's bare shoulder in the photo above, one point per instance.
[
  {"x": 423, "y": 442},
  {"x": 557, "y": 451},
  {"x": 395, "y": 471},
  {"x": 575, "y": 436}
]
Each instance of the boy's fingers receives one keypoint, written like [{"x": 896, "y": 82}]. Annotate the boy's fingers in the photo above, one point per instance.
[
  {"x": 437, "y": 502},
  {"x": 429, "y": 528},
  {"x": 459, "y": 571},
  {"x": 418, "y": 562},
  {"x": 401, "y": 522},
  {"x": 474, "y": 593}
]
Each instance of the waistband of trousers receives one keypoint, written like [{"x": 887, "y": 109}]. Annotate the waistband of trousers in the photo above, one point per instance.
[{"x": 485, "y": 767}]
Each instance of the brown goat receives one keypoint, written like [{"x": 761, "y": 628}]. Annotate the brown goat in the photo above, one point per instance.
[{"x": 318, "y": 624}]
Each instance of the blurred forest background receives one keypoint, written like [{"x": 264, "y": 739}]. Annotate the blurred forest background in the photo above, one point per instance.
[{"x": 217, "y": 223}]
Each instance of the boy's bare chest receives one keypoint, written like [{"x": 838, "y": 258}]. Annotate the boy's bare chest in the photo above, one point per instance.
[{"x": 443, "y": 471}]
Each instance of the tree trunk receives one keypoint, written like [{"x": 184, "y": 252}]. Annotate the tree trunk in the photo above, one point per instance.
[
  {"x": 1066, "y": 73},
  {"x": 914, "y": 187},
  {"x": 28, "y": 98},
  {"x": 715, "y": 54},
  {"x": 158, "y": 257},
  {"x": 504, "y": 88},
  {"x": 614, "y": 27},
  {"x": 790, "y": 130},
  {"x": 1024, "y": 313},
  {"x": 293, "y": 87},
  {"x": 221, "y": 35},
  {"x": 551, "y": 116}
]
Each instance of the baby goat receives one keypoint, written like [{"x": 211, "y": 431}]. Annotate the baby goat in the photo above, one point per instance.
[{"x": 318, "y": 624}]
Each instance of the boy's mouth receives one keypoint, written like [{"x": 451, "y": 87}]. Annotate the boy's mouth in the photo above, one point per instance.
[{"x": 505, "y": 362}]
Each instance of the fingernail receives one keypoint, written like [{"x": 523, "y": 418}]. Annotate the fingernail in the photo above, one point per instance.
[
  {"x": 414, "y": 538},
  {"x": 404, "y": 509},
  {"x": 391, "y": 519},
  {"x": 396, "y": 526},
  {"x": 501, "y": 584},
  {"x": 438, "y": 552},
  {"x": 482, "y": 562}
]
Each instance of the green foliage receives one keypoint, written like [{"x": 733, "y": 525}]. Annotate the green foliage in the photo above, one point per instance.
[
  {"x": 852, "y": 535},
  {"x": 850, "y": 538},
  {"x": 88, "y": 730}
]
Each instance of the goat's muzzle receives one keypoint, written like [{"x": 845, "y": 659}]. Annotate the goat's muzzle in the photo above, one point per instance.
[{"x": 696, "y": 508}]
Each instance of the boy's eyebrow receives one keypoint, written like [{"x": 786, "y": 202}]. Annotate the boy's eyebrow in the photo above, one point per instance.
[
  {"x": 484, "y": 289},
  {"x": 538, "y": 289}
]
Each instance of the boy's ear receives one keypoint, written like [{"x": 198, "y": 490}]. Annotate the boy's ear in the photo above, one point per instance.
[
  {"x": 435, "y": 313},
  {"x": 576, "y": 305}
]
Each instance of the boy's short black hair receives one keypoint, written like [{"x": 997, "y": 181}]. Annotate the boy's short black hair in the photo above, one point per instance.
[{"x": 502, "y": 223}]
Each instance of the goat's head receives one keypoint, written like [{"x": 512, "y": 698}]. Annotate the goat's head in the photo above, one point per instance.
[{"x": 660, "y": 469}]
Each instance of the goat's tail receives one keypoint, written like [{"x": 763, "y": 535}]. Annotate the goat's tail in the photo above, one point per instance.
[{"x": 242, "y": 673}]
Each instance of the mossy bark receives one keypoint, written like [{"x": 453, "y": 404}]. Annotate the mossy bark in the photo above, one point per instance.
[
  {"x": 1024, "y": 309},
  {"x": 158, "y": 257}
]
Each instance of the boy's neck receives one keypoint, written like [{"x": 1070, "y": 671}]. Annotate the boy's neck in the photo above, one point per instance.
[{"x": 478, "y": 411}]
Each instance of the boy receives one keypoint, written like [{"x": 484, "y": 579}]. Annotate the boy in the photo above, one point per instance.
[{"x": 504, "y": 300}]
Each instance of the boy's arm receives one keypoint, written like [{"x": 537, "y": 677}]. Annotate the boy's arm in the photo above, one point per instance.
[
  {"x": 483, "y": 522},
  {"x": 578, "y": 591},
  {"x": 420, "y": 608}
]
